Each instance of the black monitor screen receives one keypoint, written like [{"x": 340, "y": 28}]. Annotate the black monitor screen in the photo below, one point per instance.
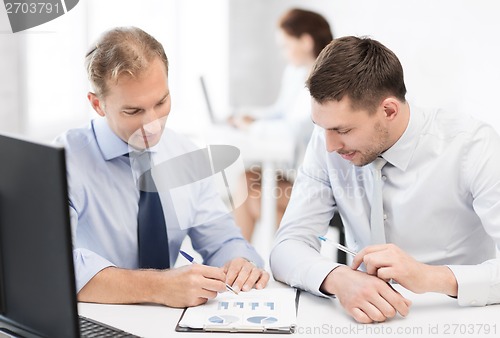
[{"x": 37, "y": 277}]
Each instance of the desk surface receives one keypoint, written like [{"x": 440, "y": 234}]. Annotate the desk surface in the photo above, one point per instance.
[{"x": 430, "y": 315}]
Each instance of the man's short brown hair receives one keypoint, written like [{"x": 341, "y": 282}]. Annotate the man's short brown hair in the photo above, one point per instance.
[
  {"x": 361, "y": 68},
  {"x": 119, "y": 51}
]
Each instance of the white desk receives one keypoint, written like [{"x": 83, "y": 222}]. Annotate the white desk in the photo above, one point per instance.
[{"x": 430, "y": 315}]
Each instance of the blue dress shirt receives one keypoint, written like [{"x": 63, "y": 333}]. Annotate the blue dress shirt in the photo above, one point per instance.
[
  {"x": 104, "y": 197},
  {"x": 441, "y": 200}
]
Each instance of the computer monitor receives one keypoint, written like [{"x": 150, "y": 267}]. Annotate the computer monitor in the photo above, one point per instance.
[{"x": 37, "y": 284}]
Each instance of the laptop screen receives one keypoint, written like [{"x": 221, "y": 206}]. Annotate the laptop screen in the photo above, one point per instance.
[
  {"x": 210, "y": 110},
  {"x": 37, "y": 295}
]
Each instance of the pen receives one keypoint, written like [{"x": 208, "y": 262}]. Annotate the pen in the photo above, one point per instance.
[
  {"x": 339, "y": 246},
  {"x": 192, "y": 261},
  {"x": 349, "y": 251}
]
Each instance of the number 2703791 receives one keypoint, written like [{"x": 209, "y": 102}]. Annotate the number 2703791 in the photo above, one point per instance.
[{"x": 32, "y": 8}]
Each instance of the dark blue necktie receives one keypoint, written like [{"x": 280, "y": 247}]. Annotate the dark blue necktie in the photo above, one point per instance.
[{"x": 151, "y": 226}]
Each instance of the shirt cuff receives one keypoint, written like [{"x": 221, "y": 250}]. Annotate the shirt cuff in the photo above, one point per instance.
[
  {"x": 87, "y": 265},
  {"x": 317, "y": 274},
  {"x": 473, "y": 284}
]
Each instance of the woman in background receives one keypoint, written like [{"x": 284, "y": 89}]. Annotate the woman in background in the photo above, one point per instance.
[{"x": 302, "y": 34}]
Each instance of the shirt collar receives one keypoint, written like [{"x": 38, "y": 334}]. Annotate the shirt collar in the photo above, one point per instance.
[
  {"x": 401, "y": 153},
  {"x": 110, "y": 144}
]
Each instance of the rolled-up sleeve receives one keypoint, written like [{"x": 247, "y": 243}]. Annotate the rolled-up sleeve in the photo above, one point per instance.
[{"x": 87, "y": 263}]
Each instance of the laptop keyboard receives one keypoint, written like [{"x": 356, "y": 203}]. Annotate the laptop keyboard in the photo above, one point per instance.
[{"x": 90, "y": 328}]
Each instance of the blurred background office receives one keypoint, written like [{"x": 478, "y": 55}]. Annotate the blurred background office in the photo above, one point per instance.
[
  {"x": 301, "y": 35},
  {"x": 449, "y": 50}
]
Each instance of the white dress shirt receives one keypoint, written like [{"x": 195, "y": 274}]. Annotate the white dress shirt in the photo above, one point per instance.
[{"x": 441, "y": 199}]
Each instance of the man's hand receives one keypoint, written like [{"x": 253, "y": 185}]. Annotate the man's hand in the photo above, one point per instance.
[
  {"x": 387, "y": 261},
  {"x": 241, "y": 122},
  {"x": 244, "y": 275},
  {"x": 366, "y": 298},
  {"x": 191, "y": 285}
]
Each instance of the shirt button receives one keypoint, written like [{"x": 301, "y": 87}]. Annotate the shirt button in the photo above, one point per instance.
[
  {"x": 384, "y": 178},
  {"x": 385, "y": 217}
]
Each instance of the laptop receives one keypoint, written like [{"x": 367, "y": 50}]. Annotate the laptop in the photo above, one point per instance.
[
  {"x": 37, "y": 281},
  {"x": 213, "y": 118}
]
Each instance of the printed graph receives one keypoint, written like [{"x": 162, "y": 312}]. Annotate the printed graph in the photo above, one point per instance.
[
  {"x": 223, "y": 305},
  {"x": 242, "y": 305},
  {"x": 247, "y": 312},
  {"x": 223, "y": 319},
  {"x": 262, "y": 320},
  {"x": 270, "y": 305}
]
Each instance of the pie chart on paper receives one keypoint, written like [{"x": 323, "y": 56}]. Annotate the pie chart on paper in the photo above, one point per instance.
[
  {"x": 223, "y": 319},
  {"x": 262, "y": 320}
]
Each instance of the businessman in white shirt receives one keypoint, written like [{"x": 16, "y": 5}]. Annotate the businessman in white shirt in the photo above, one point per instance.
[{"x": 439, "y": 217}]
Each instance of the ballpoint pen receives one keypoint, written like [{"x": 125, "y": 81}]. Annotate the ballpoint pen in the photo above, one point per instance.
[
  {"x": 192, "y": 261},
  {"x": 349, "y": 251},
  {"x": 339, "y": 246}
]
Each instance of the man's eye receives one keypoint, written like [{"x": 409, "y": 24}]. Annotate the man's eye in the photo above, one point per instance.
[
  {"x": 131, "y": 112},
  {"x": 343, "y": 132}
]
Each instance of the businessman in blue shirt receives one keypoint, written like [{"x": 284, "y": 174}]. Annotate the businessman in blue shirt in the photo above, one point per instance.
[{"x": 128, "y": 71}]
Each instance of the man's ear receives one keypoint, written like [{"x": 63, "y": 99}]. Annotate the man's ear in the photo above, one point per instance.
[
  {"x": 391, "y": 107},
  {"x": 96, "y": 103}
]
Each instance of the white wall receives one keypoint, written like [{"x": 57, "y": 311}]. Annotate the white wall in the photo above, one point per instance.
[
  {"x": 52, "y": 75},
  {"x": 203, "y": 50},
  {"x": 449, "y": 48},
  {"x": 9, "y": 83},
  {"x": 43, "y": 84},
  {"x": 42, "y": 76}
]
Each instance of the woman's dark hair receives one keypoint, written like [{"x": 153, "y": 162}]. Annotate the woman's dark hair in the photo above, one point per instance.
[{"x": 297, "y": 22}]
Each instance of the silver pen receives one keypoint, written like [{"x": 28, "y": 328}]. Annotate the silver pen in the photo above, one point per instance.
[{"x": 338, "y": 246}]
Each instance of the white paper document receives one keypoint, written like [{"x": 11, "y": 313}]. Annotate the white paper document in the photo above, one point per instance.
[{"x": 267, "y": 310}]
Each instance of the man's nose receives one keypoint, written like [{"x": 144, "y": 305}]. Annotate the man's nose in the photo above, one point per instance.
[
  {"x": 333, "y": 141},
  {"x": 152, "y": 123}
]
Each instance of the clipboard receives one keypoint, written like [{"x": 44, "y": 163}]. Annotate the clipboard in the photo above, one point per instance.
[{"x": 271, "y": 310}]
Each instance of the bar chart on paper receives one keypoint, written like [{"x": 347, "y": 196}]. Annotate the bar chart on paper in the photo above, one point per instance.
[{"x": 248, "y": 311}]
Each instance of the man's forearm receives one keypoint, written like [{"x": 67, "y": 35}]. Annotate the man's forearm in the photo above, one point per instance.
[{"x": 120, "y": 286}]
